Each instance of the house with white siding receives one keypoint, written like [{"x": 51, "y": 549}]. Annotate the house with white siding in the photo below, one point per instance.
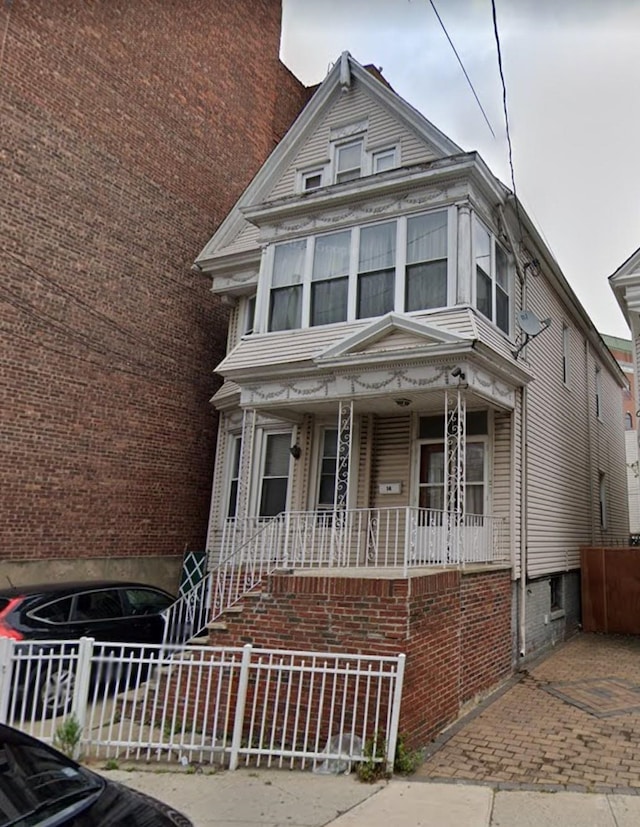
[
  {"x": 411, "y": 388},
  {"x": 625, "y": 283}
]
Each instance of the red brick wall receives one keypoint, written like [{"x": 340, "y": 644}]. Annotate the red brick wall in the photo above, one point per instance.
[
  {"x": 128, "y": 131},
  {"x": 455, "y": 629}
]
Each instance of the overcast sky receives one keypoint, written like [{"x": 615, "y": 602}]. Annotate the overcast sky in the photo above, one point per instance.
[{"x": 572, "y": 69}]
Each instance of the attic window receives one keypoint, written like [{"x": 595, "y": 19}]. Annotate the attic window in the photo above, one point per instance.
[
  {"x": 311, "y": 180},
  {"x": 349, "y": 161},
  {"x": 383, "y": 160}
]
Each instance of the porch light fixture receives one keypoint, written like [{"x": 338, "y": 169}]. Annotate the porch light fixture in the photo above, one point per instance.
[
  {"x": 402, "y": 402},
  {"x": 295, "y": 451}
]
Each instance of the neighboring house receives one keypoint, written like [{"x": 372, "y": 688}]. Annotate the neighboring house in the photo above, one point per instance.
[
  {"x": 625, "y": 283},
  {"x": 121, "y": 124},
  {"x": 395, "y": 468},
  {"x": 622, "y": 350}
]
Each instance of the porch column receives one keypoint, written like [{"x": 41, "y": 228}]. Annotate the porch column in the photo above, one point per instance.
[
  {"x": 245, "y": 470},
  {"x": 464, "y": 279},
  {"x": 455, "y": 448},
  {"x": 345, "y": 429}
]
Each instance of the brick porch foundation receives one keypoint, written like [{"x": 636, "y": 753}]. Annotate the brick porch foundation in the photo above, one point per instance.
[{"x": 454, "y": 626}]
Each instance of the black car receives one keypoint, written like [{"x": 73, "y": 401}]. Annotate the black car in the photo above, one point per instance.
[
  {"x": 102, "y": 609},
  {"x": 41, "y": 786},
  {"x": 105, "y": 610}
]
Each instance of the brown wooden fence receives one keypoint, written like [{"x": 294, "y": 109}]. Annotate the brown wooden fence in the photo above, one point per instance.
[{"x": 611, "y": 590}]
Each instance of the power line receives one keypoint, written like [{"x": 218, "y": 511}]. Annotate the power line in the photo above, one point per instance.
[
  {"x": 433, "y": 6},
  {"x": 506, "y": 112}
]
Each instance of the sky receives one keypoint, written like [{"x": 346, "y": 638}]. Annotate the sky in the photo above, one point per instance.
[{"x": 572, "y": 73}]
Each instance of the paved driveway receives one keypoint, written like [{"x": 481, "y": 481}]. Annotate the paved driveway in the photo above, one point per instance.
[{"x": 571, "y": 723}]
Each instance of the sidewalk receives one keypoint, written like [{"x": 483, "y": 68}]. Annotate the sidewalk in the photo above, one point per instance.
[{"x": 275, "y": 798}]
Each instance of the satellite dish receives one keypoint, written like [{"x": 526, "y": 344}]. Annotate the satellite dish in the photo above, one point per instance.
[{"x": 529, "y": 323}]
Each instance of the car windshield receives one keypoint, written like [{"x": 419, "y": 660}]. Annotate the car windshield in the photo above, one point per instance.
[{"x": 36, "y": 785}]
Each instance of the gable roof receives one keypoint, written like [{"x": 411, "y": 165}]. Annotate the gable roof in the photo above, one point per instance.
[
  {"x": 625, "y": 283},
  {"x": 341, "y": 76}
]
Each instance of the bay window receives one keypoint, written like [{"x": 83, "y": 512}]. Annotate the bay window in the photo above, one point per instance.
[
  {"x": 492, "y": 282},
  {"x": 362, "y": 272}
]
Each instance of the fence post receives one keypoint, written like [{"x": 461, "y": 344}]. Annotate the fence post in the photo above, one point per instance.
[
  {"x": 6, "y": 673},
  {"x": 238, "y": 721},
  {"x": 392, "y": 740},
  {"x": 82, "y": 681}
]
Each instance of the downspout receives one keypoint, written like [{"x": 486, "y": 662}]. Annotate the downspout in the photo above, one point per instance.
[
  {"x": 587, "y": 369},
  {"x": 522, "y": 612}
]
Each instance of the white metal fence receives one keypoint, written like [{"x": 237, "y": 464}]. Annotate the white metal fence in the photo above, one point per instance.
[
  {"x": 402, "y": 538},
  {"x": 212, "y": 705}
]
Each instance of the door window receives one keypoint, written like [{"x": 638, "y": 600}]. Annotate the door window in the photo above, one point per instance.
[
  {"x": 328, "y": 465},
  {"x": 99, "y": 605},
  {"x": 275, "y": 476},
  {"x": 145, "y": 601}
]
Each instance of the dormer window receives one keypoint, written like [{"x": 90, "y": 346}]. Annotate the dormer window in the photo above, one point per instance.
[
  {"x": 492, "y": 287},
  {"x": 349, "y": 161}
]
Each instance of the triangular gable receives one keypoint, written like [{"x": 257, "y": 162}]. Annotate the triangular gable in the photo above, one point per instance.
[
  {"x": 625, "y": 283},
  {"x": 391, "y": 332},
  {"x": 345, "y": 71}
]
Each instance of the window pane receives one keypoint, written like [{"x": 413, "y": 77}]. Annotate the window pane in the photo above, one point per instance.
[
  {"x": 274, "y": 497},
  {"x": 482, "y": 247},
  {"x": 384, "y": 160},
  {"x": 326, "y": 494},
  {"x": 56, "y": 612},
  {"x": 329, "y": 301},
  {"x": 502, "y": 268},
  {"x": 483, "y": 293},
  {"x": 276, "y": 463},
  {"x": 502, "y": 310},
  {"x": 331, "y": 255},
  {"x": 349, "y": 158},
  {"x": 427, "y": 237},
  {"x": 377, "y": 247},
  {"x": 288, "y": 263},
  {"x": 432, "y": 497},
  {"x": 285, "y": 311},
  {"x": 474, "y": 466},
  {"x": 145, "y": 601},
  {"x": 474, "y": 499},
  {"x": 376, "y": 293},
  {"x": 100, "y": 605},
  {"x": 426, "y": 285}
]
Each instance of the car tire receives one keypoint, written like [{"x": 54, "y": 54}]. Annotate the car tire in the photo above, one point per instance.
[{"x": 53, "y": 693}]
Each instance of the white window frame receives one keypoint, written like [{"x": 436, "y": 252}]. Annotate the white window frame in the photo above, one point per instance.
[
  {"x": 234, "y": 448},
  {"x": 492, "y": 275},
  {"x": 321, "y": 431},
  {"x": 475, "y": 439},
  {"x": 264, "y": 301},
  {"x": 262, "y": 436},
  {"x": 249, "y": 314},
  {"x": 566, "y": 354},
  {"x": 378, "y": 154},
  {"x": 337, "y": 148},
  {"x": 306, "y": 174}
]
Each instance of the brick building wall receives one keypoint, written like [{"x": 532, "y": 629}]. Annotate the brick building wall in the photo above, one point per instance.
[
  {"x": 128, "y": 132},
  {"x": 454, "y": 627}
]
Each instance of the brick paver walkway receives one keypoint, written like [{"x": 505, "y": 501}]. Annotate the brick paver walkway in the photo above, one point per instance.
[{"x": 530, "y": 736}]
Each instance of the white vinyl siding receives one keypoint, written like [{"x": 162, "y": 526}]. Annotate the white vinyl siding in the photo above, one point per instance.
[{"x": 382, "y": 130}]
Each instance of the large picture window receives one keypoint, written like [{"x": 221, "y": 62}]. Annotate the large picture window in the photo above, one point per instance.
[{"x": 492, "y": 279}]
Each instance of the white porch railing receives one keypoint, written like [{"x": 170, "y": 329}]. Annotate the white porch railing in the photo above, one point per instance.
[
  {"x": 215, "y": 705},
  {"x": 399, "y": 538}
]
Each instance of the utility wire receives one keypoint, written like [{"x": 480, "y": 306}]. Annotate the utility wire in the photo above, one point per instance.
[
  {"x": 433, "y": 6},
  {"x": 506, "y": 112}
]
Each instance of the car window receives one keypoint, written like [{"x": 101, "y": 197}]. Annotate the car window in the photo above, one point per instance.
[
  {"x": 98, "y": 605},
  {"x": 58, "y": 611},
  {"x": 146, "y": 601}
]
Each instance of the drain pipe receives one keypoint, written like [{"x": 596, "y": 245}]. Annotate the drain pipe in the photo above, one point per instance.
[{"x": 522, "y": 610}]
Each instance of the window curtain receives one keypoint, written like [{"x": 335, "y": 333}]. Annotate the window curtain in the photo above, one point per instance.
[
  {"x": 376, "y": 282},
  {"x": 286, "y": 285},
  {"x": 427, "y": 237},
  {"x": 328, "y": 293},
  {"x": 426, "y": 284}
]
